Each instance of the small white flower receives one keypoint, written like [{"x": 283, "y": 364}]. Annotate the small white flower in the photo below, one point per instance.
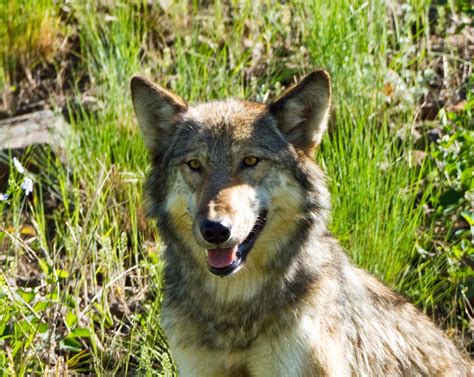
[
  {"x": 3, "y": 197},
  {"x": 27, "y": 185},
  {"x": 18, "y": 165}
]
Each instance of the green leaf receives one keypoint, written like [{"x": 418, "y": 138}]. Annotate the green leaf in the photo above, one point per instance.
[
  {"x": 27, "y": 296},
  {"x": 53, "y": 296},
  {"x": 42, "y": 327},
  {"x": 71, "y": 318},
  {"x": 3, "y": 359},
  {"x": 3, "y": 326},
  {"x": 44, "y": 266},
  {"x": 467, "y": 178},
  {"x": 61, "y": 274},
  {"x": 81, "y": 332},
  {"x": 70, "y": 344},
  {"x": 468, "y": 216},
  {"x": 41, "y": 306}
]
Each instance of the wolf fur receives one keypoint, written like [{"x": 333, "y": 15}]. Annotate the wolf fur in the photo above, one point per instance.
[{"x": 295, "y": 306}]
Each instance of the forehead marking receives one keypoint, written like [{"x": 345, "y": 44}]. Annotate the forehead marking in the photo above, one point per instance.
[
  {"x": 222, "y": 129},
  {"x": 231, "y": 113}
]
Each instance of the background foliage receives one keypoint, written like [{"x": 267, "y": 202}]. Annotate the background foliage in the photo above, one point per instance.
[{"x": 80, "y": 265}]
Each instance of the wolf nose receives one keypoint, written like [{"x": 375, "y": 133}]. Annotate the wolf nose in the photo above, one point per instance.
[{"x": 215, "y": 231}]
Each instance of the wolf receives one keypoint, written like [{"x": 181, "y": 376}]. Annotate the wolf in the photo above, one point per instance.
[{"x": 254, "y": 283}]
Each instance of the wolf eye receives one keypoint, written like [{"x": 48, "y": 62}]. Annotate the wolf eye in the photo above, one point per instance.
[
  {"x": 194, "y": 164},
  {"x": 250, "y": 161}
]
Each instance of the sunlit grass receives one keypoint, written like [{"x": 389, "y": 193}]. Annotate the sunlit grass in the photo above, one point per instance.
[
  {"x": 93, "y": 248},
  {"x": 29, "y": 36}
]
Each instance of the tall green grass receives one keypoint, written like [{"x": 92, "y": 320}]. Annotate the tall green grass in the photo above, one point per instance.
[
  {"x": 101, "y": 255},
  {"x": 26, "y": 41}
]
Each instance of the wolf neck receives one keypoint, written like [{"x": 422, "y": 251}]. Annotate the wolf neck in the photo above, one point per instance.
[{"x": 244, "y": 303}]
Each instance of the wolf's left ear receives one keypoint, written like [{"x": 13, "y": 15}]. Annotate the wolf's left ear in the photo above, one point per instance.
[
  {"x": 156, "y": 109},
  {"x": 302, "y": 111}
]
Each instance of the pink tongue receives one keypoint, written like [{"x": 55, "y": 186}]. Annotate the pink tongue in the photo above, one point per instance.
[{"x": 220, "y": 258}]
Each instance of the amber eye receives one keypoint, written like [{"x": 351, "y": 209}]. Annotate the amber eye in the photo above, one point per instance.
[
  {"x": 250, "y": 161},
  {"x": 194, "y": 164}
]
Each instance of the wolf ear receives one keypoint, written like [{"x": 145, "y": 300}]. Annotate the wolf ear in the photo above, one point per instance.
[
  {"x": 302, "y": 111},
  {"x": 155, "y": 108}
]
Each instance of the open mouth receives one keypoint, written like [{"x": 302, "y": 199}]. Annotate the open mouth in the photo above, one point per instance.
[{"x": 225, "y": 261}]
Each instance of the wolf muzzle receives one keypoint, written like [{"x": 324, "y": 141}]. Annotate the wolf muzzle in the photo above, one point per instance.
[{"x": 225, "y": 261}]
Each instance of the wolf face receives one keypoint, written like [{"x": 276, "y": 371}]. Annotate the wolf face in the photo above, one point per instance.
[{"x": 222, "y": 174}]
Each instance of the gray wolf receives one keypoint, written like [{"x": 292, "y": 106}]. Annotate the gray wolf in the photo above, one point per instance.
[{"x": 254, "y": 284}]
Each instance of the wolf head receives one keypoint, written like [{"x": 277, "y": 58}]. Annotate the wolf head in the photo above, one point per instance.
[{"x": 233, "y": 183}]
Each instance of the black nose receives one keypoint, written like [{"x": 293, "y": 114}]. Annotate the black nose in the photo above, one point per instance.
[{"x": 215, "y": 231}]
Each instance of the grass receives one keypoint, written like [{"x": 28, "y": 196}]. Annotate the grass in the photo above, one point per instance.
[
  {"x": 82, "y": 234},
  {"x": 26, "y": 41}
]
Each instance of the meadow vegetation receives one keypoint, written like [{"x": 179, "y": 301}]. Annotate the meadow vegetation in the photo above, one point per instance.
[{"x": 79, "y": 261}]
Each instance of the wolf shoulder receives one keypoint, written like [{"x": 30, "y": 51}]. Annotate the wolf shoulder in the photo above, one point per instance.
[{"x": 356, "y": 326}]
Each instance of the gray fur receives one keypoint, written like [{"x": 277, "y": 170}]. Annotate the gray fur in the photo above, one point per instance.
[{"x": 297, "y": 307}]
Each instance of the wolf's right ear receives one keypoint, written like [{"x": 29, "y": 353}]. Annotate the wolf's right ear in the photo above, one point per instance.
[{"x": 155, "y": 108}]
